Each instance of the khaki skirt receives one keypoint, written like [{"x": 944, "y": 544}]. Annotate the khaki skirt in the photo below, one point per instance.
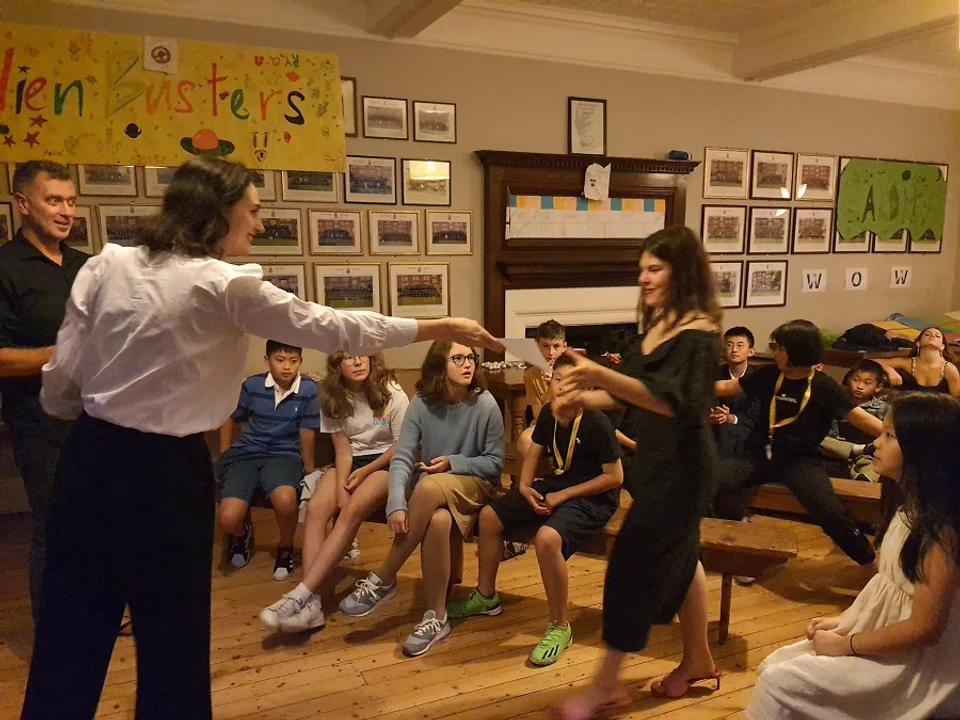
[{"x": 465, "y": 494}]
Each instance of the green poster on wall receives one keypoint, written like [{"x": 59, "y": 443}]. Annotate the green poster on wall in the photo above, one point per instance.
[{"x": 885, "y": 197}]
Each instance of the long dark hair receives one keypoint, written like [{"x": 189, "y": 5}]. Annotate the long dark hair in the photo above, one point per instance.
[
  {"x": 691, "y": 280},
  {"x": 335, "y": 401},
  {"x": 944, "y": 352},
  {"x": 192, "y": 219},
  {"x": 432, "y": 384}
]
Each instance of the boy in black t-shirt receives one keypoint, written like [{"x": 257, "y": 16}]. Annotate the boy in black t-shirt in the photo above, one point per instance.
[
  {"x": 569, "y": 507},
  {"x": 797, "y": 405}
]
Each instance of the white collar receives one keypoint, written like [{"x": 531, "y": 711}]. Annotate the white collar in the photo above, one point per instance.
[
  {"x": 294, "y": 386},
  {"x": 737, "y": 377}
]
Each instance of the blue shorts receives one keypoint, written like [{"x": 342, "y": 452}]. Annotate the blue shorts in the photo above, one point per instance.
[
  {"x": 360, "y": 461},
  {"x": 240, "y": 473}
]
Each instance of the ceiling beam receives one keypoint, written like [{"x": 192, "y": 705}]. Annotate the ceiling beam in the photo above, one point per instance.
[
  {"x": 405, "y": 18},
  {"x": 838, "y": 31}
]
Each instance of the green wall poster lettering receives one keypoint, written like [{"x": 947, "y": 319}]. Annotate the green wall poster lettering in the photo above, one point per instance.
[{"x": 884, "y": 197}]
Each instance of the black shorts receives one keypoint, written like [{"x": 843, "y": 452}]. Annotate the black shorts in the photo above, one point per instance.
[
  {"x": 575, "y": 521},
  {"x": 360, "y": 461}
]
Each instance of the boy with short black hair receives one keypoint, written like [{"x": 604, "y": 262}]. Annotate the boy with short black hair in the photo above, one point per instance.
[
  {"x": 276, "y": 449},
  {"x": 569, "y": 507},
  {"x": 551, "y": 340},
  {"x": 847, "y": 442},
  {"x": 734, "y": 419}
]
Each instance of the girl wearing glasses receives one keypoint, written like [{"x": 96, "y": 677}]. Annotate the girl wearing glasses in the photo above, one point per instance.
[{"x": 456, "y": 428}]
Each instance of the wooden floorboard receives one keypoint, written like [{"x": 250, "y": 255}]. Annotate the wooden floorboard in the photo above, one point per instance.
[{"x": 353, "y": 669}]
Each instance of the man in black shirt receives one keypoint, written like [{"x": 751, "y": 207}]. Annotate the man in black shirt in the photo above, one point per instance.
[
  {"x": 37, "y": 270},
  {"x": 734, "y": 419}
]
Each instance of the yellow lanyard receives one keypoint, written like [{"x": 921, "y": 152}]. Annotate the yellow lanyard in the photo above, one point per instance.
[
  {"x": 564, "y": 464},
  {"x": 774, "y": 424}
]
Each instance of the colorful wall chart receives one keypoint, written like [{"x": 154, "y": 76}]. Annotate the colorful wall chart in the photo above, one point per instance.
[
  {"x": 543, "y": 216},
  {"x": 94, "y": 98}
]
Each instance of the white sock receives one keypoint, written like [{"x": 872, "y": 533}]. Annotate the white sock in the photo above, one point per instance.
[{"x": 301, "y": 593}]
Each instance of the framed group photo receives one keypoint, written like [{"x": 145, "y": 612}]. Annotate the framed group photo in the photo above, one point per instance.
[
  {"x": 282, "y": 233},
  {"x": 811, "y": 230},
  {"x": 769, "y": 231},
  {"x": 926, "y": 243},
  {"x": 426, "y": 182},
  {"x": 348, "y": 287},
  {"x": 336, "y": 233},
  {"x": 107, "y": 180},
  {"x": 816, "y": 177},
  {"x": 119, "y": 224},
  {"x": 6, "y": 223},
  {"x": 859, "y": 243},
  {"x": 723, "y": 229},
  {"x": 370, "y": 180},
  {"x": 291, "y": 277},
  {"x": 771, "y": 176},
  {"x": 157, "y": 179},
  {"x": 265, "y": 183},
  {"x": 449, "y": 233},
  {"x": 309, "y": 186},
  {"x": 394, "y": 233},
  {"x": 81, "y": 233},
  {"x": 766, "y": 284},
  {"x": 896, "y": 243},
  {"x": 586, "y": 126},
  {"x": 420, "y": 290},
  {"x": 728, "y": 282},
  {"x": 385, "y": 118},
  {"x": 726, "y": 173},
  {"x": 434, "y": 122}
]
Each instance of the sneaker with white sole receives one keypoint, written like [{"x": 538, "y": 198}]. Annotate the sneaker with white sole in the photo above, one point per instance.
[
  {"x": 283, "y": 568},
  {"x": 368, "y": 596},
  {"x": 353, "y": 553},
  {"x": 239, "y": 553},
  {"x": 426, "y": 634},
  {"x": 308, "y": 617},
  {"x": 283, "y": 609}
]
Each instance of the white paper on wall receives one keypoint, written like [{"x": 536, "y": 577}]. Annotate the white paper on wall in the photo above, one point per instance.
[
  {"x": 855, "y": 279},
  {"x": 900, "y": 276},
  {"x": 160, "y": 55},
  {"x": 596, "y": 182},
  {"x": 814, "y": 281}
]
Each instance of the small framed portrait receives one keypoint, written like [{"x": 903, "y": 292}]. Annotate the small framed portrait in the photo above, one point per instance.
[
  {"x": 370, "y": 180},
  {"x": 157, "y": 179},
  {"x": 394, "y": 233},
  {"x": 265, "y": 182},
  {"x": 926, "y": 243},
  {"x": 859, "y": 243},
  {"x": 107, "y": 180},
  {"x": 586, "y": 126},
  {"x": 769, "y": 231},
  {"x": 348, "y": 93},
  {"x": 291, "y": 277},
  {"x": 385, "y": 118},
  {"x": 282, "y": 234},
  {"x": 348, "y": 287},
  {"x": 426, "y": 182},
  {"x": 434, "y": 122},
  {"x": 6, "y": 223},
  {"x": 896, "y": 243},
  {"x": 811, "y": 230},
  {"x": 723, "y": 229},
  {"x": 81, "y": 232},
  {"x": 309, "y": 185},
  {"x": 771, "y": 176},
  {"x": 766, "y": 284},
  {"x": 726, "y": 173},
  {"x": 816, "y": 177},
  {"x": 420, "y": 290},
  {"x": 335, "y": 233},
  {"x": 728, "y": 282},
  {"x": 449, "y": 233},
  {"x": 119, "y": 224}
]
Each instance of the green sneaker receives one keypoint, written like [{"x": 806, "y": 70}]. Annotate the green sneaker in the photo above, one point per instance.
[
  {"x": 555, "y": 640},
  {"x": 475, "y": 604}
]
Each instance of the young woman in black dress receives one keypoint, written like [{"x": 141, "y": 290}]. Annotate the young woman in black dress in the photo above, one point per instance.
[{"x": 666, "y": 379}]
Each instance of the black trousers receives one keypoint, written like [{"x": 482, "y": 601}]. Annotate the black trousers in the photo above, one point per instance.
[
  {"x": 808, "y": 481},
  {"x": 131, "y": 524}
]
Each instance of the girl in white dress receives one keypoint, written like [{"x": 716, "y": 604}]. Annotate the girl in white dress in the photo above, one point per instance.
[{"x": 893, "y": 653}]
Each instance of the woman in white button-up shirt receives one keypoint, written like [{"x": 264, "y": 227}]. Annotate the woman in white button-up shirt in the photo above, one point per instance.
[{"x": 149, "y": 356}]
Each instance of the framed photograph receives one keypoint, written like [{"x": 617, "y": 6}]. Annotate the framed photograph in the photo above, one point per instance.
[
  {"x": 426, "y": 182},
  {"x": 857, "y": 244},
  {"x": 309, "y": 185},
  {"x": 394, "y": 233},
  {"x": 728, "y": 282},
  {"x": 291, "y": 277},
  {"x": 816, "y": 177},
  {"x": 11, "y": 168},
  {"x": 723, "y": 229},
  {"x": 434, "y": 122},
  {"x": 266, "y": 184},
  {"x": 769, "y": 231},
  {"x": 81, "y": 234},
  {"x": 348, "y": 93},
  {"x": 771, "y": 175},
  {"x": 348, "y": 287},
  {"x": 726, "y": 173},
  {"x": 335, "y": 233},
  {"x": 6, "y": 223},
  {"x": 385, "y": 118},
  {"x": 811, "y": 230},
  {"x": 449, "y": 233},
  {"x": 370, "y": 180},
  {"x": 896, "y": 244},
  {"x": 282, "y": 234},
  {"x": 119, "y": 223},
  {"x": 420, "y": 290},
  {"x": 586, "y": 126},
  {"x": 926, "y": 243},
  {"x": 157, "y": 179},
  {"x": 766, "y": 284},
  {"x": 107, "y": 180}
]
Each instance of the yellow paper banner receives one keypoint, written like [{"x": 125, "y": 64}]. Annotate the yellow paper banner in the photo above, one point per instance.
[{"x": 80, "y": 97}]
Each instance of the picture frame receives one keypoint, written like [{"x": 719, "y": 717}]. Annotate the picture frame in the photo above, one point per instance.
[
  {"x": 766, "y": 284},
  {"x": 723, "y": 229},
  {"x": 816, "y": 177},
  {"x": 119, "y": 223},
  {"x": 394, "y": 233},
  {"x": 370, "y": 180},
  {"x": 81, "y": 233},
  {"x": 291, "y": 277},
  {"x": 309, "y": 186},
  {"x": 771, "y": 175},
  {"x": 107, "y": 180},
  {"x": 6, "y": 222},
  {"x": 769, "y": 232},
  {"x": 11, "y": 169},
  {"x": 351, "y": 105},
  {"x": 336, "y": 232},
  {"x": 427, "y": 182},
  {"x": 282, "y": 234},
  {"x": 385, "y": 118},
  {"x": 449, "y": 233},
  {"x": 812, "y": 228},
  {"x": 728, "y": 282},
  {"x": 265, "y": 182},
  {"x": 926, "y": 244},
  {"x": 726, "y": 173},
  {"x": 586, "y": 126},
  {"x": 434, "y": 122},
  {"x": 348, "y": 287},
  {"x": 157, "y": 179},
  {"x": 898, "y": 243},
  {"x": 859, "y": 244},
  {"x": 419, "y": 290}
]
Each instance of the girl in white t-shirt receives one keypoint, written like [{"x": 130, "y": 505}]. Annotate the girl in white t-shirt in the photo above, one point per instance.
[{"x": 362, "y": 407}]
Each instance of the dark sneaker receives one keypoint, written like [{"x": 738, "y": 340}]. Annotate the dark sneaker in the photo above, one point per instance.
[
  {"x": 283, "y": 568},
  {"x": 367, "y": 597},
  {"x": 425, "y": 635},
  {"x": 240, "y": 547}
]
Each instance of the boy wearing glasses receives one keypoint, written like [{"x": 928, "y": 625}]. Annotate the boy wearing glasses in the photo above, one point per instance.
[{"x": 733, "y": 419}]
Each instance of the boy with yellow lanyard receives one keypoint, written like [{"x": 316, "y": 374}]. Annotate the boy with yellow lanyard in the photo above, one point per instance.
[
  {"x": 569, "y": 507},
  {"x": 798, "y": 403}
]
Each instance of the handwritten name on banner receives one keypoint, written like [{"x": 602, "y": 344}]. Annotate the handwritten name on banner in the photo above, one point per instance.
[{"x": 83, "y": 97}]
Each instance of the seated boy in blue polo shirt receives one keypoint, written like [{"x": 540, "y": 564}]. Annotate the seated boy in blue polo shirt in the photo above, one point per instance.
[{"x": 274, "y": 452}]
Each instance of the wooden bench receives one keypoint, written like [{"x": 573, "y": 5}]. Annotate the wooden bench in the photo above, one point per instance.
[{"x": 863, "y": 500}]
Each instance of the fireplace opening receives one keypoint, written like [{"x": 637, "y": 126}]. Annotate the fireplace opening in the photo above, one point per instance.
[{"x": 596, "y": 339}]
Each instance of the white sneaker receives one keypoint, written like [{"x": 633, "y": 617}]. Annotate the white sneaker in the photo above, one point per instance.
[
  {"x": 308, "y": 617},
  {"x": 353, "y": 553},
  {"x": 283, "y": 609}
]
